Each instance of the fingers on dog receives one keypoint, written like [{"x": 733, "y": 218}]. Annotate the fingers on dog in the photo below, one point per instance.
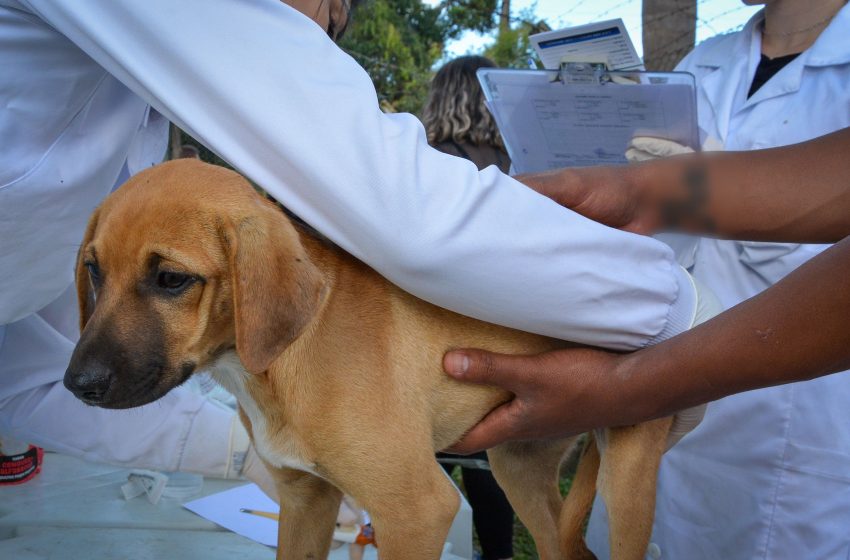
[
  {"x": 487, "y": 368},
  {"x": 490, "y": 431}
]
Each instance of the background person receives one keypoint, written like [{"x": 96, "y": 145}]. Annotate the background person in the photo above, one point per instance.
[
  {"x": 764, "y": 475},
  {"x": 456, "y": 118},
  {"x": 457, "y": 122}
]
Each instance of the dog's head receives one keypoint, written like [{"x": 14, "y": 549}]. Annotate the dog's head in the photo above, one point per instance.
[{"x": 181, "y": 264}]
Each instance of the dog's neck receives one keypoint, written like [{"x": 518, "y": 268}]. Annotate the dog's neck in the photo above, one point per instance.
[{"x": 229, "y": 372}]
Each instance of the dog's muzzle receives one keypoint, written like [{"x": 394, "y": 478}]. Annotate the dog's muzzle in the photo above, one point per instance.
[{"x": 89, "y": 382}]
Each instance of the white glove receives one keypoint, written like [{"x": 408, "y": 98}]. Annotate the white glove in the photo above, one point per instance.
[
  {"x": 248, "y": 464},
  {"x": 255, "y": 470},
  {"x": 244, "y": 461},
  {"x": 349, "y": 513},
  {"x": 646, "y": 148},
  {"x": 686, "y": 420}
]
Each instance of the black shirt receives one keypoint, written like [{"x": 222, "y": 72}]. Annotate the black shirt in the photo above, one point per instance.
[
  {"x": 767, "y": 68},
  {"x": 482, "y": 155}
]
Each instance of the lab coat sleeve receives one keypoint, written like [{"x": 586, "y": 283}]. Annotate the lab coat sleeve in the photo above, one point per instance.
[
  {"x": 773, "y": 261},
  {"x": 181, "y": 431},
  {"x": 264, "y": 87}
]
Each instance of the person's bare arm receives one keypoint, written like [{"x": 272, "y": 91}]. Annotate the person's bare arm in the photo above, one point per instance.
[
  {"x": 798, "y": 193},
  {"x": 796, "y": 330}
]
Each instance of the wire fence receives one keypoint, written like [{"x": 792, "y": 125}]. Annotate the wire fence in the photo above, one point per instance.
[
  {"x": 713, "y": 22},
  {"x": 708, "y": 21},
  {"x": 564, "y": 20}
]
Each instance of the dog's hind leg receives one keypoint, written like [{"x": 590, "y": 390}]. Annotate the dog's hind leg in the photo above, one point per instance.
[
  {"x": 528, "y": 472},
  {"x": 628, "y": 474},
  {"x": 578, "y": 504},
  {"x": 308, "y": 510}
]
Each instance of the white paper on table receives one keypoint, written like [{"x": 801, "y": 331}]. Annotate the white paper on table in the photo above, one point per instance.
[
  {"x": 223, "y": 509},
  {"x": 547, "y": 124},
  {"x": 602, "y": 40}
]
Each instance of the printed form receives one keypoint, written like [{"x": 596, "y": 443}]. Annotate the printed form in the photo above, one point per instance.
[{"x": 547, "y": 124}]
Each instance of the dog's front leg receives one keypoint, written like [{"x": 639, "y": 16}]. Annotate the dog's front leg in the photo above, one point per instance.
[
  {"x": 411, "y": 503},
  {"x": 308, "y": 510}
]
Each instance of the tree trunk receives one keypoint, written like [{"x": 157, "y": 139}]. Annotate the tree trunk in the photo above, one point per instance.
[
  {"x": 505, "y": 16},
  {"x": 669, "y": 31},
  {"x": 175, "y": 142}
]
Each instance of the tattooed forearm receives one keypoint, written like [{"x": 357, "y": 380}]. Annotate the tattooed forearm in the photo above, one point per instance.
[{"x": 688, "y": 211}]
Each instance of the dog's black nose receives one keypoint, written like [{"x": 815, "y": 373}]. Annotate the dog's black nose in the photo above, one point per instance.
[{"x": 90, "y": 382}]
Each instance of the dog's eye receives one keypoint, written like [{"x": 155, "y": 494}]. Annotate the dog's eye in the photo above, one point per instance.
[
  {"x": 173, "y": 282},
  {"x": 94, "y": 272}
]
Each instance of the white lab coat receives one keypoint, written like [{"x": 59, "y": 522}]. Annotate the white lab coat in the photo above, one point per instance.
[
  {"x": 265, "y": 88},
  {"x": 767, "y": 473}
]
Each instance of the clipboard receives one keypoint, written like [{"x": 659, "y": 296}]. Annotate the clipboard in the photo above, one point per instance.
[{"x": 582, "y": 114}]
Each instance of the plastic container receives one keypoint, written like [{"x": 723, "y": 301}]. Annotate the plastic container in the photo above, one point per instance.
[{"x": 182, "y": 486}]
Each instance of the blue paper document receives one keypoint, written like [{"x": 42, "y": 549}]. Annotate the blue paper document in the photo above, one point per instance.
[{"x": 601, "y": 41}]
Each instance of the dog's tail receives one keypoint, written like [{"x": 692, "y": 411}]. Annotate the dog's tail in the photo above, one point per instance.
[{"x": 578, "y": 504}]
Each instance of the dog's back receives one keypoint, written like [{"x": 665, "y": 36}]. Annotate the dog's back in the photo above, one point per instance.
[{"x": 407, "y": 337}]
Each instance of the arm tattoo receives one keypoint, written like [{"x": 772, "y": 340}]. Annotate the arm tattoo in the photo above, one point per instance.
[{"x": 689, "y": 212}]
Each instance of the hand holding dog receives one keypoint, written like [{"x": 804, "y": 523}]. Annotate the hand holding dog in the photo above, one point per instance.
[
  {"x": 559, "y": 394},
  {"x": 556, "y": 394}
]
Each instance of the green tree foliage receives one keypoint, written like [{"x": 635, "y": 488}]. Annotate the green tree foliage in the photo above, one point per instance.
[
  {"x": 475, "y": 15},
  {"x": 399, "y": 41},
  {"x": 511, "y": 47}
]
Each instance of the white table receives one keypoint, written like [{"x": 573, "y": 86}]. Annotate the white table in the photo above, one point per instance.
[{"x": 74, "y": 510}]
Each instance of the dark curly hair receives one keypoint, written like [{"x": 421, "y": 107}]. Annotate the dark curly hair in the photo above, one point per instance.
[{"x": 455, "y": 108}]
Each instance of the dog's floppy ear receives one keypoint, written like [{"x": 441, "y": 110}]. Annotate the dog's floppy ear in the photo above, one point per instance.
[
  {"x": 276, "y": 288},
  {"x": 85, "y": 291}
]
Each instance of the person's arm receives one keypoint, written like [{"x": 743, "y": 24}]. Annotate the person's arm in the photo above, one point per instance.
[
  {"x": 264, "y": 87},
  {"x": 796, "y": 193},
  {"x": 796, "y": 330}
]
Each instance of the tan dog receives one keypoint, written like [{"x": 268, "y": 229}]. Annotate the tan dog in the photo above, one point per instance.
[{"x": 337, "y": 372}]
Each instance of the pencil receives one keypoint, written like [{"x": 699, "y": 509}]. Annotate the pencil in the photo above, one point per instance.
[{"x": 266, "y": 514}]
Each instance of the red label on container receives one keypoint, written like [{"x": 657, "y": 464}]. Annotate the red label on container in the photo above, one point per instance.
[{"x": 16, "y": 469}]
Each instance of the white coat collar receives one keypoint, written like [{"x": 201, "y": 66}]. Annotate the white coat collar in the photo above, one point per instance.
[
  {"x": 721, "y": 51},
  {"x": 831, "y": 47},
  {"x": 728, "y": 57},
  {"x": 734, "y": 59}
]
